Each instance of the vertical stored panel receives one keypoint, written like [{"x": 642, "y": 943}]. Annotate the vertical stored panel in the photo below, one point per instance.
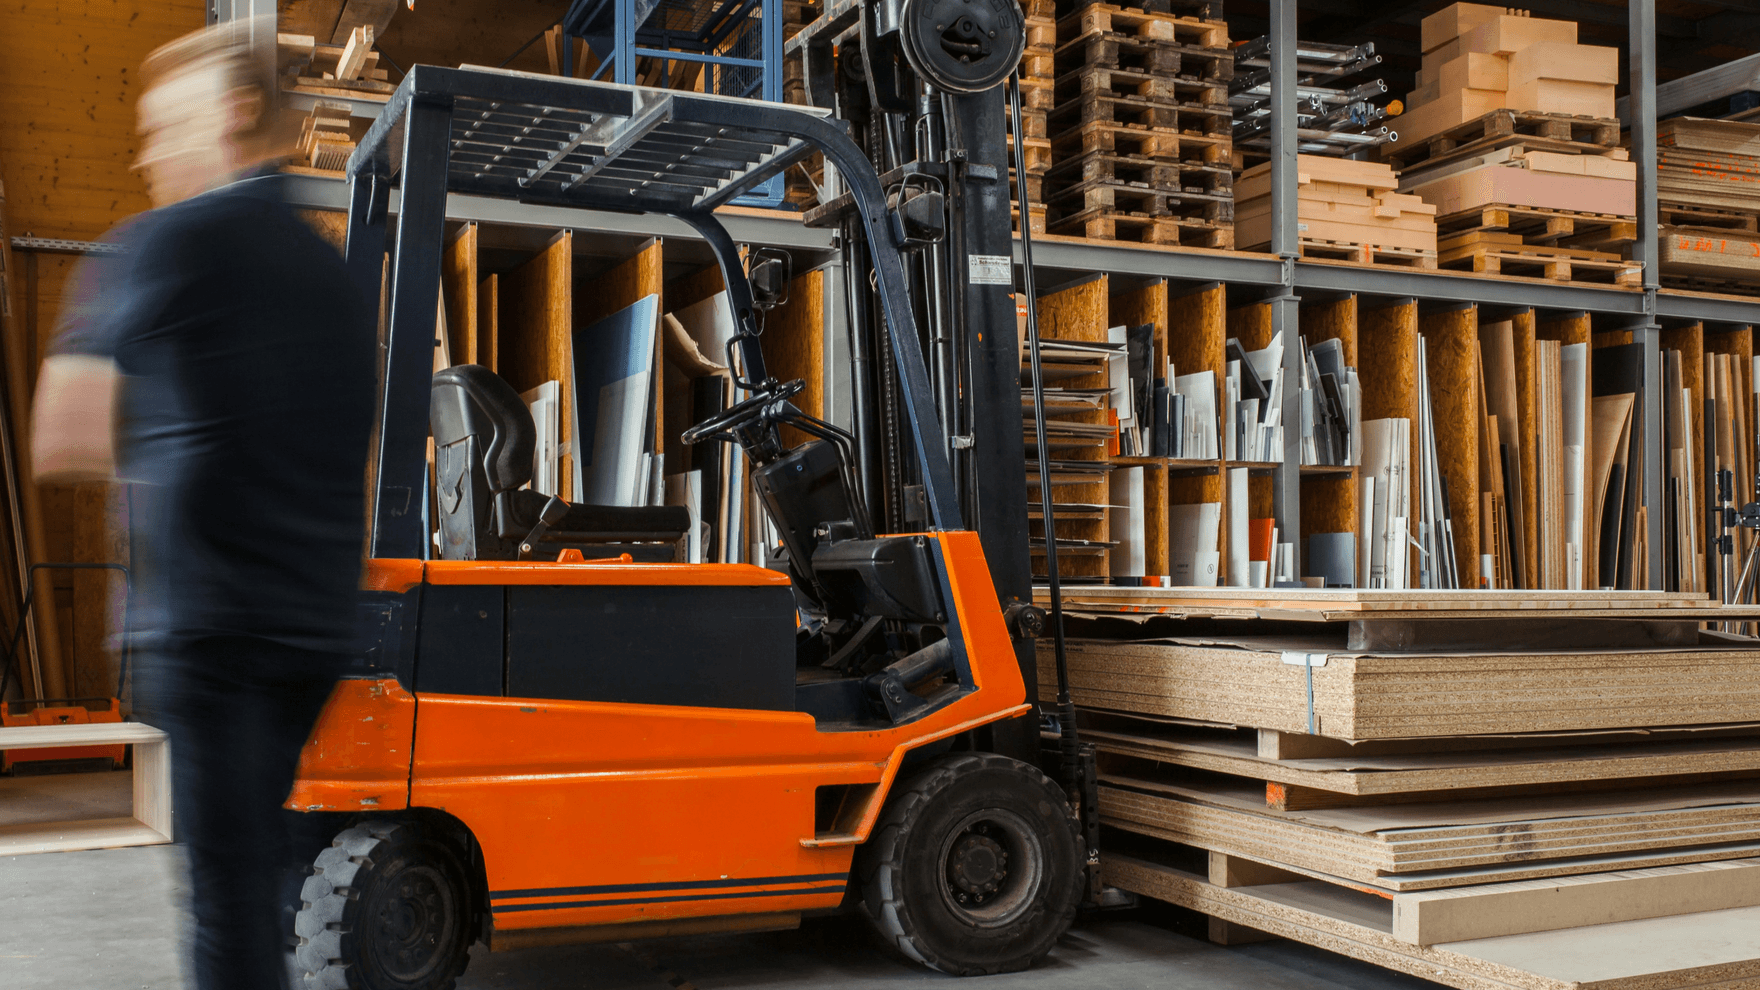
[
  {"x": 687, "y": 290},
  {"x": 1522, "y": 330},
  {"x": 459, "y": 281},
  {"x": 488, "y": 323},
  {"x": 794, "y": 345},
  {"x": 1689, "y": 340},
  {"x": 536, "y": 302},
  {"x": 633, "y": 279},
  {"x": 1078, "y": 312},
  {"x": 1737, "y": 408},
  {"x": 1568, "y": 329},
  {"x": 1387, "y": 369},
  {"x": 1329, "y": 501},
  {"x": 1450, "y": 337}
]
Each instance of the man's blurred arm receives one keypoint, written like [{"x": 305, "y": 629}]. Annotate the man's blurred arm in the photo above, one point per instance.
[{"x": 74, "y": 419}]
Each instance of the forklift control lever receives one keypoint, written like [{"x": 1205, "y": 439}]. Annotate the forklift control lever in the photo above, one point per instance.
[
  {"x": 741, "y": 414},
  {"x": 548, "y": 516}
]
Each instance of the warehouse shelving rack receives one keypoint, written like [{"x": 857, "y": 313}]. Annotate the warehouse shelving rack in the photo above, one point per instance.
[{"x": 1279, "y": 274}]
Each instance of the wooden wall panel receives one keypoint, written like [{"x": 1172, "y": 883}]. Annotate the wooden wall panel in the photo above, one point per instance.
[
  {"x": 536, "y": 318},
  {"x": 1449, "y": 339},
  {"x": 1522, "y": 326},
  {"x": 1079, "y": 312},
  {"x": 489, "y": 323},
  {"x": 794, "y": 344},
  {"x": 458, "y": 282},
  {"x": 68, "y": 87}
]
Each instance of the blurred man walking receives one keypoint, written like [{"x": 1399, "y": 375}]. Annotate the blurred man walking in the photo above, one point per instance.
[{"x": 224, "y": 363}]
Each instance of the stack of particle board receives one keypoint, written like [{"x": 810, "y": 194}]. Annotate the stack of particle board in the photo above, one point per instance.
[
  {"x": 1396, "y": 787},
  {"x": 1708, "y": 192},
  {"x": 1345, "y": 209},
  {"x": 1038, "y": 81},
  {"x": 1140, "y": 128}
]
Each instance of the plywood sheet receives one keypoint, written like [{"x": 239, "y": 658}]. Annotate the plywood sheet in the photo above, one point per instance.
[
  {"x": 1451, "y": 358},
  {"x": 1708, "y": 949},
  {"x": 459, "y": 281},
  {"x": 534, "y": 324}
]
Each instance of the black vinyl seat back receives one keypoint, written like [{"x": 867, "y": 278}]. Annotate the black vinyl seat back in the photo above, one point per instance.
[{"x": 484, "y": 440}]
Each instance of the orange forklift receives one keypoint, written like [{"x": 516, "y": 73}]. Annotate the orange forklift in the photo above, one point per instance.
[{"x": 555, "y": 732}]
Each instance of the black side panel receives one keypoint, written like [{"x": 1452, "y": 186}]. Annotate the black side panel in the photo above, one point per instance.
[
  {"x": 387, "y": 636},
  {"x": 461, "y": 640},
  {"x": 712, "y": 647}
]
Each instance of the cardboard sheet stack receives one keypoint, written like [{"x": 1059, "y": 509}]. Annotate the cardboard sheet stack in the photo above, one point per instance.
[
  {"x": 1346, "y": 209},
  {"x": 1508, "y": 136},
  {"x": 1708, "y": 192}
]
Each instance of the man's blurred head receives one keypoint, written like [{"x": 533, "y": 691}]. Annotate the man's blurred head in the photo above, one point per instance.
[{"x": 207, "y": 112}]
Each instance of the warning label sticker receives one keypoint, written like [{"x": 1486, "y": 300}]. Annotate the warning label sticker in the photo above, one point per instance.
[{"x": 990, "y": 269}]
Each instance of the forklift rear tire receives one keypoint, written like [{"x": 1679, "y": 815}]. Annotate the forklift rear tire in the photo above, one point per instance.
[
  {"x": 386, "y": 908},
  {"x": 974, "y": 867}
]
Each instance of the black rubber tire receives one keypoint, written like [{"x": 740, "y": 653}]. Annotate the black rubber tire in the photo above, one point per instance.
[
  {"x": 908, "y": 892},
  {"x": 386, "y": 908}
]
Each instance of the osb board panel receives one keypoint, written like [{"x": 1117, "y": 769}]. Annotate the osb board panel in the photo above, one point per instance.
[
  {"x": 1452, "y": 364},
  {"x": 1197, "y": 334},
  {"x": 1332, "y": 319},
  {"x": 1706, "y": 950},
  {"x": 458, "y": 280},
  {"x": 535, "y": 323},
  {"x": 1076, "y": 312},
  {"x": 489, "y": 322},
  {"x": 1329, "y": 505},
  {"x": 794, "y": 344},
  {"x": 1388, "y": 361},
  {"x": 699, "y": 285},
  {"x": 1252, "y": 326}
]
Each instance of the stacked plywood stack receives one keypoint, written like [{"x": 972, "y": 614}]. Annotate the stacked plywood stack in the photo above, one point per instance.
[
  {"x": 1467, "y": 801},
  {"x": 1038, "y": 82},
  {"x": 1510, "y": 134},
  {"x": 1140, "y": 128},
  {"x": 1345, "y": 209},
  {"x": 1708, "y": 188}
]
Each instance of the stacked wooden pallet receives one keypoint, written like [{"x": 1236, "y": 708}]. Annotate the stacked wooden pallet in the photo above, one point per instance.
[
  {"x": 1140, "y": 128},
  {"x": 1708, "y": 188},
  {"x": 1038, "y": 81},
  {"x": 1509, "y": 134},
  {"x": 1462, "y": 801},
  {"x": 1345, "y": 209}
]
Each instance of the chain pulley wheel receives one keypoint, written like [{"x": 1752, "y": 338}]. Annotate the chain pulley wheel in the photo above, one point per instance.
[{"x": 963, "y": 46}]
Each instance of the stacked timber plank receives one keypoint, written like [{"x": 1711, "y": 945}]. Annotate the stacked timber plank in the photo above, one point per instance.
[
  {"x": 348, "y": 70},
  {"x": 1466, "y": 801},
  {"x": 1345, "y": 209},
  {"x": 1708, "y": 192},
  {"x": 1140, "y": 128},
  {"x": 1038, "y": 81},
  {"x": 325, "y": 138},
  {"x": 1510, "y": 135}
]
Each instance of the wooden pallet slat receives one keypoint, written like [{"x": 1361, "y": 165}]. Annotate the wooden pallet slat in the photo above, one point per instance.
[{"x": 1565, "y": 133}]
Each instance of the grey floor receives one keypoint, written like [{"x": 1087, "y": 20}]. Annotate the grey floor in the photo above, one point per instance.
[{"x": 111, "y": 920}]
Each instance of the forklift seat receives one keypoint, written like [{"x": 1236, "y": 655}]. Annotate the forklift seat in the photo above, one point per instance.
[{"x": 484, "y": 438}]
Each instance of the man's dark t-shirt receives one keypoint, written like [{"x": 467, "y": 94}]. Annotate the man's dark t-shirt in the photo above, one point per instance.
[{"x": 247, "y": 356}]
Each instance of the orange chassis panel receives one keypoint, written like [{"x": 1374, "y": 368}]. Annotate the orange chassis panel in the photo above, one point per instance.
[{"x": 592, "y": 813}]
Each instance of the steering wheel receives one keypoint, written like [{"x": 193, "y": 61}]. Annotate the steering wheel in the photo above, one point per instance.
[{"x": 742, "y": 414}]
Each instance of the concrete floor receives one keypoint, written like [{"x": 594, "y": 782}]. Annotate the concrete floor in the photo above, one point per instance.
[{"x": 109, "y": 920}]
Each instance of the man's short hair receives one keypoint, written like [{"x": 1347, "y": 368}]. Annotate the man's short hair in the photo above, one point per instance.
[{"x": 244, "y": 47}]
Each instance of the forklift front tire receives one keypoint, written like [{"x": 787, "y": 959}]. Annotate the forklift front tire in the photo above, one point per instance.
[
  {"x": 386, "y": 908},
  {"x": 975, "y": 866}
]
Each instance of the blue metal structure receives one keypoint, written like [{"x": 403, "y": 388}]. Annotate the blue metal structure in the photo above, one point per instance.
[{"x": 738, "y": 43}]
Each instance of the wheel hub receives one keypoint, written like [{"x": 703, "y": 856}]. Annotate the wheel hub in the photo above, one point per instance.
[
  {"x": 977, "y": 866},
  {"x": 410, "y": 923}
]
